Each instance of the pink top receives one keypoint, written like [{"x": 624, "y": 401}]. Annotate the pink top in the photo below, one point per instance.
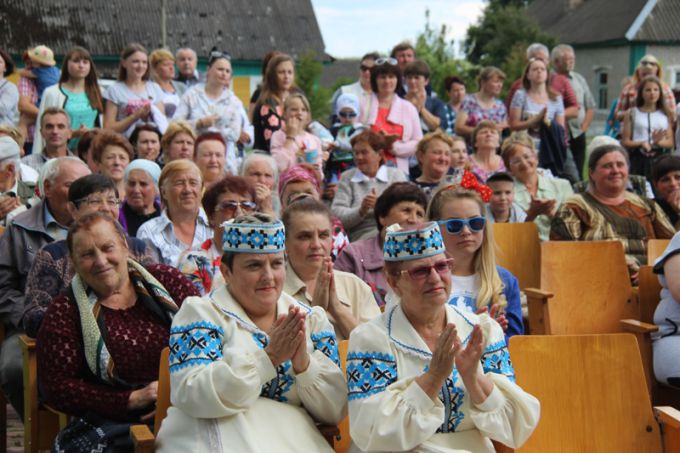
[{"x": 300, "y": 152}]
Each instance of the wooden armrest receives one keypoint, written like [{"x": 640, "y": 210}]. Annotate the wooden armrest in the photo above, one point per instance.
[
  {"x": 142, "y": 438},
  {"x": 668, "y": 416},
  {"x": 536, "y": 293},
  {"x": 27, "y": 343},
  {"x": 635, "y": 326},
  {"x": 329, "y": 432}
]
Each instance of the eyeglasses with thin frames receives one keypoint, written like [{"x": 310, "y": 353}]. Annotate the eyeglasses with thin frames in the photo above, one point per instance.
[
  {"x": 442, "y": 268},
  {"x": 231, "y": 206},
  {"x": 96, "y": 202}
]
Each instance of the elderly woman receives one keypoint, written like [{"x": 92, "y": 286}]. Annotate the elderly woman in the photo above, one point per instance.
[
  {"x": 209, "y": 155},
  {"x": 485, "y": 160},
  {"x": 162, "y": 64},
  {"x": 393, "y": 115},
  {"x": 213, "y": 106},
  {"x": 100, "y": 341},
  {"x": 52, "y": 269},
  {"x": 434, "y": 157},
  {"x": 538, "y": 195},
  {"x": 484, "y": 104},
  {"x": 667, "y": 315},
  {"x": 178, "y": 142},
  {"x": 261, "y": 172},
  {"x": 359, "y": 187},
  {"x": 309, "y": 272},
  {"x": 141, "y": 195},
  {"x": 251, "y": 367},
  {"x": 666, "y": 180},
  {"x": 112, "y": 153},
  {"x": 228, "y": 198},
  {"x": 403, "y": 203},
  {"x": 302, "y": 181},
  {"x": 183, "y": 224},
  {"x": 608, "y": 211},
  {"x": 412, "y": 382},
  {"x": 146, "y": 140}
]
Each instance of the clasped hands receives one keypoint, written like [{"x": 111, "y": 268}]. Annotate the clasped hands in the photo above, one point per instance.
[{"x": 287, "y": 340}]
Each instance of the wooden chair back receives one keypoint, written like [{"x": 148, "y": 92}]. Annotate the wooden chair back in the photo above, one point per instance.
[
  {"x": 163, "y": 398},
  {"x": 591, "y": 287},
  {"x": 655, "y": 248},
  {"x": 41, "y": 423},
  {"x": 2, "y": 230},
  {"x": 518, "y": 249},
  {"x": 649, "y": 293},
  {"x": 342, "y": 443},
  {"x": 592, "y": 391}
]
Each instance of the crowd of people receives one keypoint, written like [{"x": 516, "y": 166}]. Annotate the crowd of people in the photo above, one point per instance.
[{"x": 163, "y": 212}]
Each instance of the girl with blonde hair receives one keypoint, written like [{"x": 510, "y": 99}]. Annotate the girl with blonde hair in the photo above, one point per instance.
[{"x": 478, "y": 284}]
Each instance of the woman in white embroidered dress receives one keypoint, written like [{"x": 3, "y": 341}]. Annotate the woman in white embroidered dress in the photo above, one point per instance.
[
  {"x": 425, "y": 376},
  {"x": 251, "y": 368}
]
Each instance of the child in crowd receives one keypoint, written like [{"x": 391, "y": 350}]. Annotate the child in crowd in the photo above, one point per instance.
[
  {"x": 502, "y": 207},
  {"x": 292, "y": 144},
  {"x": 42, "y": 70},
  {"x": 341, "y": 158}
]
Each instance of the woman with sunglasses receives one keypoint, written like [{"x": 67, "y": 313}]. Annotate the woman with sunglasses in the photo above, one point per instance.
[
  {"x": 278, "y": 83},
  {"x": 648, "y": 66},
  {"x": 393, "y": 115},
  {"x": 412, "y": 382},
  {"x": 310, "y": 277},
  {"x": 229, "y": 197},
  {"x": 133, "y": 99},
  {"x": 213, "y": 107},
  {"x": 77, "y": 93},
  {"x": 479, "y": 285}
]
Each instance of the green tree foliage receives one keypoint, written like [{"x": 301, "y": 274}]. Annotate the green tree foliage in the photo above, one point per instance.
[
  {"x": 502, "y": 35},
  {"x": 307, "y": 74},
  {"x": 433, "y": 47}
]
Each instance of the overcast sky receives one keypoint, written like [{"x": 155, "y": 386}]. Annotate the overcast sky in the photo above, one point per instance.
[{"x": 351, "y": 28}]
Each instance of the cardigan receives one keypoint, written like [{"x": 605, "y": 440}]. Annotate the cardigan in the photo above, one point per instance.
[{"x": 404, "y": 113}]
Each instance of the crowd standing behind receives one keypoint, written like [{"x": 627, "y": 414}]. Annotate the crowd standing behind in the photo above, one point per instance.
[{"x": 120, "y": 203}]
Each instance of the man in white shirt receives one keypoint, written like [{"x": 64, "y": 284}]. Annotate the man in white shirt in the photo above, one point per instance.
[{"x": 361, "y": 89}]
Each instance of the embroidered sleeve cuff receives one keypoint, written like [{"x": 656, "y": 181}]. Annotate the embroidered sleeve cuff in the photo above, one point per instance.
[
  {"x": 417, "y": 398},
  {"x": 492, "y": 402},
  {"x": 265, "y": 367},
  {"x": 307, "y": 377}
]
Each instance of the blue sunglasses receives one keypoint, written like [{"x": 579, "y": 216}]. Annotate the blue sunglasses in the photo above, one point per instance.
[{"x": 455, "y": 226}]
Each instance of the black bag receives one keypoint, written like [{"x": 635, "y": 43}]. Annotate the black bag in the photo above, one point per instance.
[{"x": 94, "y": 433}]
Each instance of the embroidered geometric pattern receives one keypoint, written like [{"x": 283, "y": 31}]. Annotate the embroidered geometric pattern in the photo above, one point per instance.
[
  {"x": 199, "y": 343},
  {"x": 369, "y": 373},
  {"x": 496, "y": 359},
  {"x": 250, "y": 238},
  {"x": 412, "y": 244},
  {"x": 277, "y": 388},
  {"x": 452, "y": 398},
  {"x": 326, "y": 343}
]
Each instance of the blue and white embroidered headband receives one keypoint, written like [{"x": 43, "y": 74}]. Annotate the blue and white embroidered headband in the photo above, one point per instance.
[
  {"x": 404, "y": 245},
  {"x": 253, "y": 238}
]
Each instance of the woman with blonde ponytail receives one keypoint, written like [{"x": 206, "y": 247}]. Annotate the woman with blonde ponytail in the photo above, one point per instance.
[{"x": 477, "y": 283}]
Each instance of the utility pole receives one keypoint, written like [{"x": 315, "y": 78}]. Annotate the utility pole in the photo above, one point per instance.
[{"x": 164, "y": 34}]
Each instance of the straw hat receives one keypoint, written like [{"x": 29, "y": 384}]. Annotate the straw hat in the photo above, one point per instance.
[{"x": 42, "y": 55}]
